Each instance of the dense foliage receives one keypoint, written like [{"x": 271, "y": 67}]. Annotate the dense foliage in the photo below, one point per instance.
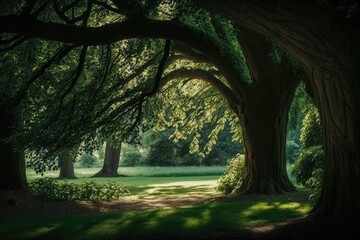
[
  {"x": 87, "y": 160},
  {"x": 310, "y": 160},
  {"x": 90, "y": 191},
  {"x": 163, "y": 150},
  {"x": 308, "y": 168},
  {"x": 233, "y": 176}
]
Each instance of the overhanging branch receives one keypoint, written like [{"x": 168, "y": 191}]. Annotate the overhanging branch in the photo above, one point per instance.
[
  {"x": 114, "y": 32},
  {"x": 205, "y": 76}
]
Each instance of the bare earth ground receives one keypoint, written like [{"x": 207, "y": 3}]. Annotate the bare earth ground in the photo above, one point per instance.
[{"x": 24, "y": 203}]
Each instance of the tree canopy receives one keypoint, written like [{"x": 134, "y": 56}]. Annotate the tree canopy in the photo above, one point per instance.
[{"x": 73, "y": 102}]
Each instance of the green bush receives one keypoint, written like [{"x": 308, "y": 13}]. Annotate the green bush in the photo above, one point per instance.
[
  {"x": 132, "y": 158},
  {"x": 311, "y": 131},
  {"x": 234, "y": 175},
  {"x": 292, "y": 151},
  {"x": 315, "y": 183},
  {"x": 310, "y": 159},
  {"x": 90, "y": 191},
  {"x": 87, "y": 160}
]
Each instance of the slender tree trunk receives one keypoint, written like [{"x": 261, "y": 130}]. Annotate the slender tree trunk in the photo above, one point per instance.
[
  {"x": 66, "y": 166},
  {"x": 264, "y": 117},
  {"x": 12, "y": 170},
  {"x": 111, "y": 162}
]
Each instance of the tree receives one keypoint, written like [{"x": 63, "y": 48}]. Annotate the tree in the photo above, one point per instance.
[
  {"x": 235, "y": 94},
  {"x": 87, "y": 160},
  {"x": 263, "y": 115},
  {"x": 12, "y": 173},
  {"x": 66, "y": 165},
  {"x": 111, "y": 161},
  {"x": 315, "y": 36},
  {"x": 321, "y": 38}
]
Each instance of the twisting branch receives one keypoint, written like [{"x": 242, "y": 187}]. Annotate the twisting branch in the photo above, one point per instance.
[
  {"x": 108, "y": 7},
  {"x": 156, "y": 86},
  {"x": 12, "y": 43},
  {"x": 29, "y": 6},
  {"x": 40, "y": 9},
  {"x": 61, "y": 53},
  {"x": 122, "y": 81},
  {"x": 192, "y": 54},
  {"x": 66, "y": 19},
  {"x": 160, "y": 69},
  {"x": 203, "y": 75},
  {"x": 72, "y": 80},
  {"x": 74, "y": 77},
  {"x": 97, "y": 88}
]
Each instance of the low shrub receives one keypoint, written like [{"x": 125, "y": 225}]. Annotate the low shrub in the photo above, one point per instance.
[
  {"x": 234, "y": 175},
  {"x": 309, "y": 160},
  {"x": 315, "y": 183},
  {"x": 90, "y": 191}
]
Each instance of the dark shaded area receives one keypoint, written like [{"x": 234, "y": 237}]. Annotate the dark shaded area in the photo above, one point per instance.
[{"x": 12, "y": 170}]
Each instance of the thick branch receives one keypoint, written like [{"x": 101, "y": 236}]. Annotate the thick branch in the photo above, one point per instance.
[
  {"x": 132, "y": 28},
  {"x": 61, "y": 53},
  {"x": 157, "y": 85},
  {"x": 297, "y": 31},
  {"x": 206, "y": 76}
]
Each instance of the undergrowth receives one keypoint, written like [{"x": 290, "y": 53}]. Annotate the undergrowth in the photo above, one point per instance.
[{"x": 89, "y": 191}]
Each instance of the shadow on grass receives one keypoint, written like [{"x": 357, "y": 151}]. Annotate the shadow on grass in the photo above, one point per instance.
[
  {"x": 175, "y": 223},
  {"x": 165, "y": 191}
]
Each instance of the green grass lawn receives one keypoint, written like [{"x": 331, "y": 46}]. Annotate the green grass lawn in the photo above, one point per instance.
[
  {"x": 150, "y": 182},
  {"x": 168, "y": 222},
  {"x": 178, "y": 222},
  {"x": 142, "y": 171}
]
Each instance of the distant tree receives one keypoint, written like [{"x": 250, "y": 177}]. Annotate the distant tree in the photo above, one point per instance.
[
  {"x": 162, "y": 151},
  {"x": 132, "y": 157},
  {"x": 66, "y": 165},
  {"x": 87, "y": 160},
  {"x": 111, "y": 161}
]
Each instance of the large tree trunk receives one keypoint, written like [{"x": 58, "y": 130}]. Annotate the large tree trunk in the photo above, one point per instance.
[
  {"x": 264, "y": 128},
  {"x": 111, "y": 162},
  {"x": 66, "y": 166},
  {"x": 12, "y": 170},
  {"x": 264, "y": 116},
  {"x": 340, "y": 195},
  {"x": 328, "y": 46}
]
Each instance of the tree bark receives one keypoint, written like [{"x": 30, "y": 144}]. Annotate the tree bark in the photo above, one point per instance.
[
  {"x": 12, "y": 171},
  {"x": 328, "y": 47},
  {"x": 111, "y": 162},
  {"x": 264, "y": 116},
  {"x": 66, "y": 165},
  {"x": 340, "y": 194}
]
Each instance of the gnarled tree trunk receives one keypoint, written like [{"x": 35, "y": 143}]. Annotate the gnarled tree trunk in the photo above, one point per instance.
[
  {"x": 340, "y": 194},
  {"x": 327, "y": 45},
  {"x": 66, "y": 165},
  {"x": 111, "y": 162},
  {"x": 264, "y": 117},
  {"x": 12, "y": 170}
]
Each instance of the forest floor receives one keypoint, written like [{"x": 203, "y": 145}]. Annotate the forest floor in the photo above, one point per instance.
[
  {"x": 15, "y": 204},
  {"x": 25, "y": 204}
]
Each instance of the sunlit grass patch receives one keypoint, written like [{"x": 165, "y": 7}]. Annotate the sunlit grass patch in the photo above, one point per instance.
[{"x": 142, "y": 171}]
